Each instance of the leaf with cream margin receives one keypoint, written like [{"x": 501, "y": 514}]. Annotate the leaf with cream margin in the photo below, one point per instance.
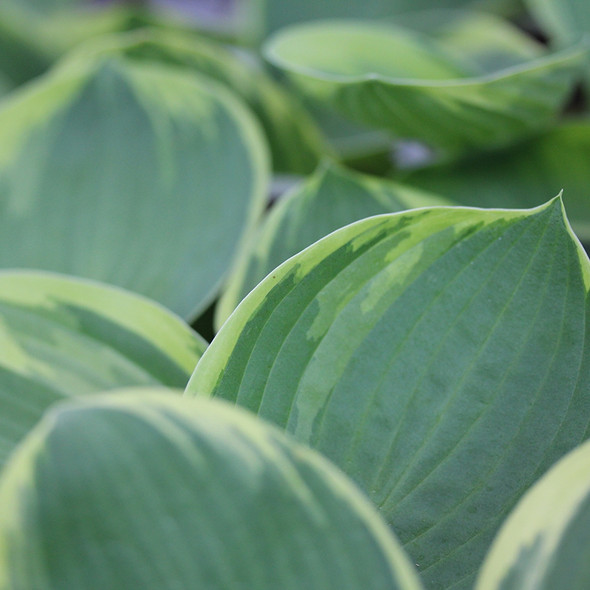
[
  {"x": 154, "y": 491},
  {"x": 545, "y": 543},
  {"x": 397, "y": 79},
  {"x": 438, "y": 356},
  {"x": 131, "y": 174},
  {"x": 62, "y": 337},
  {"x": 295, "y": 141},
  {"x": 329, "y": 199}
]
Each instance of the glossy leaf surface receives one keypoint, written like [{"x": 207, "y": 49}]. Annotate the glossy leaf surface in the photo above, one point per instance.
[
  {"x": 159, "y": 492},
  {"x": 426, "y": 92},
  {"x": 545, "y": 543},
  {"x": 436, "y": 356},
  {"x": 131, "y": 174},
  {"x": 331, "y": 198},
  {"x": 62, "y": 338}
]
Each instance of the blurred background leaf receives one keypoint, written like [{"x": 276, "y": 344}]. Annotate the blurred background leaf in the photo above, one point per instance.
[
  {"x": 329, "y": 199},
  {"x": 146, "y": 490},
  {"x": 134, "y": 174},
  {"x": 430, "y": 93},
  {"x": 295, "y": 141},
  {"x": 523, "y": 175},
  {"x": 62, "y": 337}
]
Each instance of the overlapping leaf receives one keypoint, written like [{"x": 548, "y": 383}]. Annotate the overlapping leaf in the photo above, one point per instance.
[
  {"x": 62, "y": 337},
  {"x": 295, "y": 141},
  {"x": 435, "y": 355},
  {"x": 545, "y": 543},
  {"x": 396, "y": 79},
  {"x": 22, "y": 55},
  {"x": 331, "y": 198},
  {"x": 276, "y": 15},
  {"x": 566, "y": 20},
  {"x": 170, "y": 493},
  {"x": 489, "y": 42},
  {"x": 554, "y": 161},
  {"x": 137, "y": 175}
]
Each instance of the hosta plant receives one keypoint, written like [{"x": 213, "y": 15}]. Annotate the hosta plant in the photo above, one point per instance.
[{"x": 375, "y": 213}]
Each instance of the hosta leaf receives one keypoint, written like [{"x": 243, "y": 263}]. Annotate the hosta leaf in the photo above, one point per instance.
[
  {"x": 545, "y": 543},
  {"x": 516, "y": 177},
  {"x": 489, "y": 42},
  {"x": 31, "y": 40},
  {"x": 22, "y": 56},
  {"x": 329, "y": 199},
  {"x": 434, "y": 355},
  {"x": 170, "y": 493},
  {"x": 133, "y": 174},
  {"x": 280, "y": 14},
  {"x": 62, "y": 337},
  {"x": 295, "y": 141},
  {"x": 423, "y": 93},
  {"x": 564, "y": 19}
]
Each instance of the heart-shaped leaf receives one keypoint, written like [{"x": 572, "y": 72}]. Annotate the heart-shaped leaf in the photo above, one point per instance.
[
  {"x": 397, "y": 79},
  {"x": 133, "y": 174},
  {"x": 435, "y": 355},
  {"x": 331, "y": 198},
  {"x": 554, "y": 161},
  {"x": 161, "y": 492},
  {"x": 62, "y": 337},
  {"x": 545, "y": 543}
]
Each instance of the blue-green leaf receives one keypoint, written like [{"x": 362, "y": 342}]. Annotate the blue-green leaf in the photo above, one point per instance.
[
  {"x": 517, "y": 177},
  {"x": 394, "y": 78},
  {"x": 545, "y": 542},
  {"x": 138, "y": 175},
  {"x": 159, "y": 492},
  {"x": 61, "y": 337},
  {"x": 328, "y": 200},
  {"x": 296, "y": 143},
  {"x": 437, "y": 356}
]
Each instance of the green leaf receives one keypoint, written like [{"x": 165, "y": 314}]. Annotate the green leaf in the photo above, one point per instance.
[
  {"x": 514, "y": 178},
  {"x": 490, "y": 43},
  {"x": 277, "y": 15},
  {"x": 434, "y": 355},
  {"x": 545, "y": 543},
  {"x": 160, "y": 492},
  {"x": 296, "y": 143},
  {"x": 397, "y": 79},
  {"x": 132, "y": 174},
  {"x": 31, "y": 40},
  {"x": 564, "y": 19},
  {"x": 61, "y": 337},
  {"x": 331, "y": 198},
  {"x": 22, "y": 55},
  {"x": 48, "y": 6}
]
